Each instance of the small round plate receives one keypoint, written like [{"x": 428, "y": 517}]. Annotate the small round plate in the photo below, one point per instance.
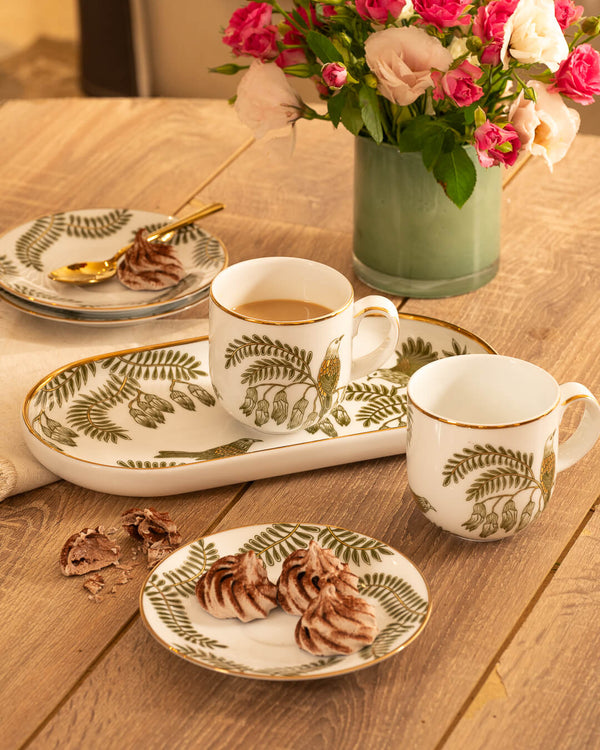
[
  {"x": 266, "y": 649},
  {"x": 29, "y": 252}
]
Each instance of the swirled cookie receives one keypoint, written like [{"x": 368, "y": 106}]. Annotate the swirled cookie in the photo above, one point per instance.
[
  {"x": 303, "y": 574},
  {"x": 237, "y": 586},
  {"x": 336, "y": 624},
  {"x": 150, "y": 265}
]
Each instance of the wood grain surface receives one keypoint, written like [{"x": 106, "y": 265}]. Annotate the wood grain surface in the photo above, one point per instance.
[{"x": 509, "y": 655}]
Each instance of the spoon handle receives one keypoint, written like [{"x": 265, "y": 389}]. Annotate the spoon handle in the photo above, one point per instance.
[{"x": 205, "y": 211}]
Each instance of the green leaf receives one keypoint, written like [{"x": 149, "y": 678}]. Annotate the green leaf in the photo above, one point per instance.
[
  {"x": 352, "y": 118},
  {"x": 370, "y": 113},
  {"x": 323, "y": 47},
  {"x": 432, "y": 148},
  {"x": 335, "y": 105},
  {"x": 412, "y": 137},
  {"x": 456, "y": 174}
]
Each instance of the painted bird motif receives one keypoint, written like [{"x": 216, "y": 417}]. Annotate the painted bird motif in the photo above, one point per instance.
[
  {"x": 548, "y": 469},
  {"x": 329, "y": 374},
  {"x": 414, "y": 355},
  {"x": 236, "y": 448}
]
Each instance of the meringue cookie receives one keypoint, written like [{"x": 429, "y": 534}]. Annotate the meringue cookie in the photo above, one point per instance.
[
  {"x": 336, "y": 624},
  {"x": 237, "y": 586},
  {"x": 303, "y": 574},
  {"x": 150, "y": 265}
]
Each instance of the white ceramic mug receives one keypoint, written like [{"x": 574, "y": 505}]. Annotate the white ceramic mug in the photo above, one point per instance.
[
  {"x": 482, "y": 445},
  {"x": 283, "y": 376}
]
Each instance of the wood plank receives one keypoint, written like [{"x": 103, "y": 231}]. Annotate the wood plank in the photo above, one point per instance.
[
  {"x": 147, "y": 154},
  {"x": 306, "y": 179},
  {"x": 51, "y": 631},
  {"x": 548, "y": 673}
]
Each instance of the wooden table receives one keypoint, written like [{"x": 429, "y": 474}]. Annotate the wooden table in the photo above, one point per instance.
[{"x": 509, "y": 658}]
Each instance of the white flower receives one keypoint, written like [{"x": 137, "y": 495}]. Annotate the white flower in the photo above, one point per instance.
[
  {"x": 407, "y": 12},
  {"x": 533, "y": 35},
  {"x": 402, "y": 60},
  {"x": 545, "y": 127},
  {"x": 265, "y": 100}
]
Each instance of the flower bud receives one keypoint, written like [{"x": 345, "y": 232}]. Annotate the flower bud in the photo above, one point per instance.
[
  {"x": 334, "y": 75},
  {"x": 229, "y": 69},
  {"x": 370, "y": 80},
  {"x": 474, "y": 44},
  {"x": 591, "y": 25},
  {"x": 480, "y": 117}
]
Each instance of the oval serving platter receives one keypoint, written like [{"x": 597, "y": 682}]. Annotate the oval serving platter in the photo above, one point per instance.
[
  {"x": 146, "y": 422},
  {"x": 266, "y": 649}
]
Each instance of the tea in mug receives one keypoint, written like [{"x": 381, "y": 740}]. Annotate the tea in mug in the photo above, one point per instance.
[{"x": 282, "y": 310}]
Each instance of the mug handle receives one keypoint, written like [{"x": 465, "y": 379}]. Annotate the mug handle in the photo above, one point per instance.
[
  {"x": 588, "y": 430},
  {"x": 380, "y": 306}
]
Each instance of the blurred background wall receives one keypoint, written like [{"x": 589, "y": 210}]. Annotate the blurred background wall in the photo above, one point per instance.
[{"x": 132, "y": 47}]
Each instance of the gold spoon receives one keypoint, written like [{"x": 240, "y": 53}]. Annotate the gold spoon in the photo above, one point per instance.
[{"x": 95, "y": 271}]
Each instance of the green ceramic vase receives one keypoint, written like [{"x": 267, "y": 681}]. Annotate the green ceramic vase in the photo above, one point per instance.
[{"x": 409, "y": 238}]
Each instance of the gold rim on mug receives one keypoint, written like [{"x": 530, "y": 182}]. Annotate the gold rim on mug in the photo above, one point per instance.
[
  {"x": 474, "y": 426},
  {"x": 260, "y": 321}
]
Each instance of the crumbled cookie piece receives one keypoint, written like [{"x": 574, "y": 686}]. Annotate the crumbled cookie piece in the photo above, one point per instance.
[
  {"x": 94, "y": 583},
  {"x": 87, "y": 551},
  {"x": 156, "y": 531}
]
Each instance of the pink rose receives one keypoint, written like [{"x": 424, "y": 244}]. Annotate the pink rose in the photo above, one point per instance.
[
  {"x": 250, "y": 32},
  {"x": 490, "y": 26},
  {"x": 546, "y": 127},
  {"x": 265, "y": 100},
  {"x": 489, "y": 143},
  {"x": 458, "y": 85},
  {"x": 379, "y": 10},
  {"x": 335, "y": 75},
  {"x": 402, "y": 60},
  {"x": 441, "y": 13},
  {"x": 295, "y": 54},
  {"x": 567, "y": 12},
  {"x": 327, "y": 11},
  {"x": 578, "y": 77}
]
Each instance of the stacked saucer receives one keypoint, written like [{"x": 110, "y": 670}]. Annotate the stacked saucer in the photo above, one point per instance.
[{"x": 29, "y": 252}]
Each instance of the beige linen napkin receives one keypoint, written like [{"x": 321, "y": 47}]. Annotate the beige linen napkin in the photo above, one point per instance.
[{"x": 31, "y": 348}]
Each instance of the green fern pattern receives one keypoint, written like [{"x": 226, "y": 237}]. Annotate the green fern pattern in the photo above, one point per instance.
[
  {"x": 350, "y": 546},
  {"x": 64, "y": 385},
  {"x": 7, "y": 267},
  {"x": 276, "y": 542},
  {"x": 131, "y": 464},
  {"x": 279, "y": 382},
  {"x": 97, "y": 227},
  {"x": 384, "y": 406},
  {"x": 503, "y": 475},
  {"x": 89, "y": 413},
  {"x": 41, "y": 235},
  {"x": 155, "y": 364}
]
